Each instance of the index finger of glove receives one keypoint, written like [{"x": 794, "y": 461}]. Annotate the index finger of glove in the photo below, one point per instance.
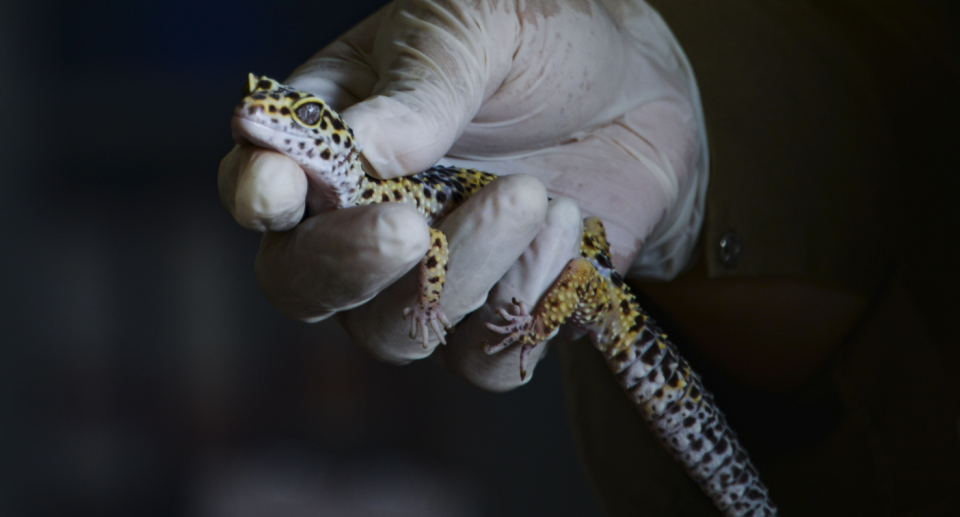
[
  {"x": 435, "y": 63},
  {"x": 410, "y": 77},
  {"x": 341, "y": 73}
]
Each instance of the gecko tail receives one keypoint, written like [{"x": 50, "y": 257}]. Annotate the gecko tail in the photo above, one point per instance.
[{"x": 685, "y": 418}]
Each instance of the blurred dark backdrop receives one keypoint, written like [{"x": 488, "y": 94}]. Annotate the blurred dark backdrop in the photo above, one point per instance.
[{"x": 141, "y": 370}]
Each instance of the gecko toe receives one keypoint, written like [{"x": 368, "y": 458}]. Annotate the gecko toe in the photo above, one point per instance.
[
  {"x": 525, "y": 360},
  {"x": 438, "y": 330}
]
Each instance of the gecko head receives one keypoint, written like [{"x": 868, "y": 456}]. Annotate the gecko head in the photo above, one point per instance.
[{"x": 297, "y": 124}]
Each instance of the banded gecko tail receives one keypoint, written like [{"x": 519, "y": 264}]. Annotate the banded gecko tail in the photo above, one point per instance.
[
  {"x": 683, "y": 415},
  {"x": 590, "y": 295}
]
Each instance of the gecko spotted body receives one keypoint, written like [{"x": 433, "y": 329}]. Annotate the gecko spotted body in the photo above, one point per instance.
[{"x": 588, "y": 295}]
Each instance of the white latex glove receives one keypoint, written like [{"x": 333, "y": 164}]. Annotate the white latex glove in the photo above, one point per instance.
[{"x": 593, "y": 99}]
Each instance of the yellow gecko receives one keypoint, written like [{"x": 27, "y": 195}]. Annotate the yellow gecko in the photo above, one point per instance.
[{"x": 589, "y": 294}]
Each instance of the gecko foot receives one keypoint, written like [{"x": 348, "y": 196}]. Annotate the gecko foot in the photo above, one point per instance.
[
  {"x": 516, "y": 329},
  {"x": 424, "y": 316}
]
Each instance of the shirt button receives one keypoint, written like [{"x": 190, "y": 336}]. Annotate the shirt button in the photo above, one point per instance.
[{"x": 730, "y": 248}]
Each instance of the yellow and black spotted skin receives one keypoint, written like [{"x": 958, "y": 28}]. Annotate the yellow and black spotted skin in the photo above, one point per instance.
[
  {"x": 302, "y": 126},
  {"x": 589, "y": 294}
]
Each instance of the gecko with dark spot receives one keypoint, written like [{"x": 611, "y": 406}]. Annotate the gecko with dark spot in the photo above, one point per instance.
[{"x": 588, "y": 295}]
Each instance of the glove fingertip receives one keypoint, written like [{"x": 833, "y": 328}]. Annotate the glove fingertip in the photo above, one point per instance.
[{"x": 396, "y": 139}]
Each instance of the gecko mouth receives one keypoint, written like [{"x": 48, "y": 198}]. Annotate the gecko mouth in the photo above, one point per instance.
[
  {"x": 247, "y": 131},
  {"x": 250, "y": 131}
]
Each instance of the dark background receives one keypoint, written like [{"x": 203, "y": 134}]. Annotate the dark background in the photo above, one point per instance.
[{"x": 142, "y": 372}]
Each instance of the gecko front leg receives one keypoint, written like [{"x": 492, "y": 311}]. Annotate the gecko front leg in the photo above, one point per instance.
[{"x": 426, "y": 313}]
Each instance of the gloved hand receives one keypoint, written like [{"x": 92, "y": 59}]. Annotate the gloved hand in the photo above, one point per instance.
[{"x": 592, "y": 100}]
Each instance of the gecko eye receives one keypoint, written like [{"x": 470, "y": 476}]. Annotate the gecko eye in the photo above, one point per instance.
[{"x": 309, "y": 113}]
